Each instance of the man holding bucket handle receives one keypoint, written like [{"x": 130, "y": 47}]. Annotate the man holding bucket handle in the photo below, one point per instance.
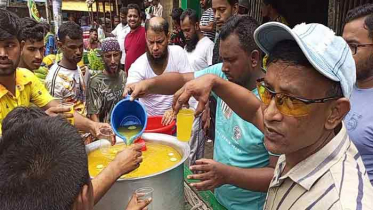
[
  {"x": 304, "y": 98},
  {"x": 239, "y": 149},
  {"x": 45, "y": 165}
]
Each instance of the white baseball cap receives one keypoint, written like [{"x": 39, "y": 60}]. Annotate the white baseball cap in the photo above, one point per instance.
[{"x": 328, "y": 53}]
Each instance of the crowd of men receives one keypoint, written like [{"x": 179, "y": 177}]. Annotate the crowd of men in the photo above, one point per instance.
[{"x": 288, "y": 109}]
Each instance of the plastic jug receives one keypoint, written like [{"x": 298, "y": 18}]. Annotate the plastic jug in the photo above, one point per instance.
[{"x": 128, "y": 113}]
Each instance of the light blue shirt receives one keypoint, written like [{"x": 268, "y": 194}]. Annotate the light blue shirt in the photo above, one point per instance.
[
  {"x": 237, "y": 143},
  {"x": 359, "y": 124}
]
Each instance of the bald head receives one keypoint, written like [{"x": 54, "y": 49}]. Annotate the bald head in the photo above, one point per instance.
[{"x": 157, "y": 24}]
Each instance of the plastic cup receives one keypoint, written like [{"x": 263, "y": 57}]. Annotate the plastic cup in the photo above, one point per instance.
[
  {"x": 71, "y": 106},
  {"x": 105, "y": 137},
  {"x": 144, "y": 194},
  {"x": 184, "y": 124}
]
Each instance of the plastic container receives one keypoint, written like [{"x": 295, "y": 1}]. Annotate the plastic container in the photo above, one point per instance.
[
  {"x": 155, "y": 126},
  {"x": 127, "y": 113}
]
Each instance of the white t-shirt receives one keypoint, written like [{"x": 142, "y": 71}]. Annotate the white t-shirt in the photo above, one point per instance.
[
  {"x": 201, "y": 57},
  {"x": 156, "y": 104},
  {"x": 121, "y": 32},
  {"x": 68, "y": 85}
]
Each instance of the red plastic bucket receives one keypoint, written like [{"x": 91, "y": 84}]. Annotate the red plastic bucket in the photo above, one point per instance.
[{"x": 155, "y": 126}]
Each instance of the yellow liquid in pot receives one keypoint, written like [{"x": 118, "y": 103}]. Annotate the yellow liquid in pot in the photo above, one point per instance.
[
  {"x": 129, "y": 132},
  {"x": 156, "y": 158}
]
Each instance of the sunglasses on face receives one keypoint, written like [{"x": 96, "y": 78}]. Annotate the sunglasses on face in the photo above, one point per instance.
[{"x": 286, "y": 104}]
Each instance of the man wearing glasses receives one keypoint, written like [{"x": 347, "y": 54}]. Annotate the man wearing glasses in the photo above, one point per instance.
[
  {"x": 358, "y": 33},
  {"x": 304, "y": 98},
  {"x": 242, "y": 168}
]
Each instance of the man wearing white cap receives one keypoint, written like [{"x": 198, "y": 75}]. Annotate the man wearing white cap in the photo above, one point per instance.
[{"x": 304, "y": 98}]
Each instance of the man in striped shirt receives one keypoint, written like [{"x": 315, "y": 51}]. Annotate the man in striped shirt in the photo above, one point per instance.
[
  {"x": 305, "y": 96},
  {"x": 207, "y": 22}
]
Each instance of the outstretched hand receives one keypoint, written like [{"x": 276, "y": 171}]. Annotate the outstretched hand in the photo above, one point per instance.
[
  {"x": 136, "y": 90},
  {"x": 199, "y": 88}
]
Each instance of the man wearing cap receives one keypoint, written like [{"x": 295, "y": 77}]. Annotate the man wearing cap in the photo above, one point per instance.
[
  {"x": 304, "y": 98},
  {"x": 242, "y": 168},
  {"x": 106, "y": 88},
  {"x": 358, "y": 32}
]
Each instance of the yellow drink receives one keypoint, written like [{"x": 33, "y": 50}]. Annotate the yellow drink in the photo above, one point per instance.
[
  {"x": 129, "y": 132},
  {"x": 184, "y": 123},
  {"x": 156, "y": 158}
]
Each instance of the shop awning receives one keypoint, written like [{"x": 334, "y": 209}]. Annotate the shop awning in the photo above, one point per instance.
[{"x": 82, "y": 6}]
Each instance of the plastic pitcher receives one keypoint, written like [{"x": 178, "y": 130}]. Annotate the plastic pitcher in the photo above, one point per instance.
[{"x": 128, "y": 114}]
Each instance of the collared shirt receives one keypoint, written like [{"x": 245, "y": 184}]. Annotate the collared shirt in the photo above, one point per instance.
[
  {"x": 158, "y": 10},
  {"x": 29, "y": 90},
  {"x": 332, "y": 178},
  {"x": 135, "y": 45},
  {"x": 121, "y": 32},
  {"x": 240, "y": 144}
]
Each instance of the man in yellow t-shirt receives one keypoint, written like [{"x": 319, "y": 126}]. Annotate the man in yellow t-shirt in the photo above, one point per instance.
[{"x": 20, "y": 87}]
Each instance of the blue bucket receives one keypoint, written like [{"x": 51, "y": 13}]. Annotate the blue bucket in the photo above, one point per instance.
[{"x": 127, "y": 113}]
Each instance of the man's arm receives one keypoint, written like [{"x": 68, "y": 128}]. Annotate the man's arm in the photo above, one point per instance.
[
  {"x": 242, "y": 101},
  {"x": 216, "y": 174},
  {"x": 81, "y": 122},
  {"x": 126, "y": 161},
  {"x": 165, "y": 84}
]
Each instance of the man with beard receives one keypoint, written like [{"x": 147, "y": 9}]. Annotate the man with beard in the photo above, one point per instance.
[
  {"x": 198, "y": 47},
  {"x": 239, "y": 149},
  {"x": 135, "y": 44},
  {"x": 158, "y": 59},
  {"x": 32, "y": 44},
  {"x": 199, "y": 51},
  {"x": 358, "y": 32},
  {"x": 121, "y": 31},
  {"x": 106, "y": 88}
]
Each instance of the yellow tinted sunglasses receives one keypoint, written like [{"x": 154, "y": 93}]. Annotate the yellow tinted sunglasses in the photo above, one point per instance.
[{"x": 286, "y": 104}]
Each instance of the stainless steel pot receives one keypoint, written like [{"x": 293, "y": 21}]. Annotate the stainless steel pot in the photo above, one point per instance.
[{"x": 168, "y": 185}]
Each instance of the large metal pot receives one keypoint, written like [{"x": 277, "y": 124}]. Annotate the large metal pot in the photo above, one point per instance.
[{"x": 168, "y": 185}]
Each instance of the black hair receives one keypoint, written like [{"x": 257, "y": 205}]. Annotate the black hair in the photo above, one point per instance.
[
  {"x": 70, "y": 29},
  {"x": 143, "y": 15},
  {"x": 274, "y": 3},
  {"x": 191, "y": 14},
  {"x": 244, "y": 27},
  {"x": 232, "y": 2},
  {"x": 93, "y": 29},
  {"x": 9, "y": 25},
  {"x": 362, "y": 11},
  {"x": 158, "y": 27},
  {"x": 176, "y": 13},
  {"x": 289, "y": 52},
  {"x": 32, "y": 30},
  {"x": 21, "y": 115},
  {"x": 124, "y": 10},
  {"x": 44, "y": 167},
  {"x": 136, "y": 7}
]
